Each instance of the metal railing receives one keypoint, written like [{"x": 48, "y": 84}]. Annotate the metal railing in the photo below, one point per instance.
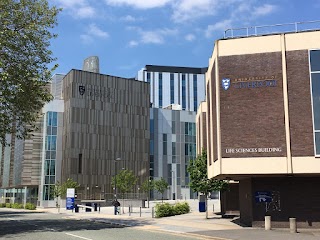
[{"x": 272, "y": 29}]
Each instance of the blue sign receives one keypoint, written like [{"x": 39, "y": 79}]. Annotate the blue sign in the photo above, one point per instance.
[
  {"x": 70, "y": 203},
  {"x": 263, "y": 196},
  {"x": 226, "y": 83}
]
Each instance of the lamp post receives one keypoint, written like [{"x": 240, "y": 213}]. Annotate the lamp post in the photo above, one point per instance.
[
  {"x": 115, "y": 177},
  {"x": 173, "y": 186},
  {"x": 149, "y": 188}
]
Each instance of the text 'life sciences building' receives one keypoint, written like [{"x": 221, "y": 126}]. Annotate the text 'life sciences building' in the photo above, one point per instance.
[{"x": 263, "y": 124}]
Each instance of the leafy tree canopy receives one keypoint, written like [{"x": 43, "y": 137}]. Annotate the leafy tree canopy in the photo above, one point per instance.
[
  {"x": 199, "y": 181},
  {"x": 125, "y": 181},
  {"x": 25, "y": 31},
  {"x": 160, "y": 186},
  {"x": 147, "y": 185},
  {"x": 60, "y": 189}
]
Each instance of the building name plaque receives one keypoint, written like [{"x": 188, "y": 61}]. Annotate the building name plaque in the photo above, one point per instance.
[
  {"x": 253, "y": 150},
  {"x": 249, "y": 82},
  {"x": 92, "y": 92}
]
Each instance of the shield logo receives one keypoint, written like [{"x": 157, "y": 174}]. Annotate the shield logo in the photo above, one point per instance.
[
  {"x": 226, "y": 83},
  {"x": 82, "y": 89}
]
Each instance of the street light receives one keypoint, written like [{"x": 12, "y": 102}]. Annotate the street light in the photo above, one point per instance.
[
  {"x": 149, "y": 181},
  {"x": 115, "y": 177},
  {"x": 173, "y": 186}
]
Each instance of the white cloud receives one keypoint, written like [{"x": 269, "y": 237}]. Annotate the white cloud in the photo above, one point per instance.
[
  {"x": 157, "y": 36},
  {"x": 142, "y": 4},
  {"x": 96, "y": 31},
  {"x": 264, "y": 10},
  {"x": 128, "y": 18},
  {"x": 86, "y": 39},
  {"x": 190, "y": 37},
  {"x": 133, "y": 43},
  {"x": 77, "y": 8},
  {"x": 93, "y": 32},
  {"x": 219, "y": 26}
]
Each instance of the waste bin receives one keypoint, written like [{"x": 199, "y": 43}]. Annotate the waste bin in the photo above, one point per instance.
[
  {"x": 76, "y": 208},
  {"x": 95, "y": 205},
  {"x": 88, "y": 209},
  {"x": 202, "y": 206}
]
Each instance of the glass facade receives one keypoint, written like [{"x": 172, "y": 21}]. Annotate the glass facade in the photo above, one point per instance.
[
  {"x": 50, "y": 155},
  {"x": 195, "y": 92},
  {"x": 171, "y": 88},
  {"x": 160, "y": 89},
  {"x": 184, "y": 92},
  {"x": 315, "y": 91}
]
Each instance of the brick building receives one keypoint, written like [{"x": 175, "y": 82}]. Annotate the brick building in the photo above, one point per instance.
[{"x": 263, "y": 124}]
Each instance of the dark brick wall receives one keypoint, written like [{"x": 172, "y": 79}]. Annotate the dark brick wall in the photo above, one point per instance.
[
  {"x": 214, "y": 113},
  {"x": 299, "y": 198},
  {"x": 300, "y": 111},
  {"x": 252, "y": 117},
  {"x": 245, "y": 201}
]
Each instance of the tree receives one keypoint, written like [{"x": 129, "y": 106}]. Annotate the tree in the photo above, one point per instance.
[
  {"x": 146, "y": 187},
  {"x": 199, "y": 181},
  {"x": 26, "y": 33},
  {"x": 60, "y": 189},
  {"x": 124, "y": 182},
  {"x": 161, "y": 185}
]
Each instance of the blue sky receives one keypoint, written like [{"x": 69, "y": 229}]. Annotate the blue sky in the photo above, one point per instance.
[{"x": 129, "y": 34}]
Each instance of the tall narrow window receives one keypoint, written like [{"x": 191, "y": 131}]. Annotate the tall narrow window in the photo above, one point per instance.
[
  {"x": 160, "y": 90},
  {"x": 148, "y": 77},
  {"x": 171, "y": 88},
  {"x": 315, "y": 85},
  {"x": 195, "y": 92},
  {"x": 184, "y": 92},
  {"x": 80, "y": 163}
]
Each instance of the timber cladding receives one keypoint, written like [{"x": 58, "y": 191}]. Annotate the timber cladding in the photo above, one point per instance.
[
  {"x": 252, "y": 106},
  {"x": 105, "y": 118}
]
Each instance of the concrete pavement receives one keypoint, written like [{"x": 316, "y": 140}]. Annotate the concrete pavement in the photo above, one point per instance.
[{"x": 193, "y": 224}]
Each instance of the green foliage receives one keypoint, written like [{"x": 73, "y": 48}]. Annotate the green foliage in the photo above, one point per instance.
[
  {"x": 166, "y": 209},
  {"x": 2, "y": 205},
  {"x": 199, "y": 181},
  {"x": 26, "y": 34},
  {"x": 125, "y": 181},
  {"x": 147, "y": 185},
  {"x": 30, "y": 206},
  {"x": 8, "y": 205},
  {"x": 181, "y": 208},
  {"x": 160, "y": 186},
  {"x": 60, "y": 189},
  {"x": 17, "y": 206}
]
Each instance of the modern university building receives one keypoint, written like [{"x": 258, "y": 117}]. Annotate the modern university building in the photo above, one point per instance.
[
  {"x": 263, "y": 124},
  {"x": 93, "y": 120},
  {"x": 175, "y": 93}
]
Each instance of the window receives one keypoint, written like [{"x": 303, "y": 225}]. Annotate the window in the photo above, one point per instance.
[
  {"x": 165, "y": 152},
  {"x": 171, "y": 88},
  {"x": 315, "y": 92},
  {"x": 195, "y": 92},
  {"x": 80, "y": 163},
  {"x": 183, "y": 92},
  {"x": 160, "y": 89},
  {"x": 148, "y": 77}
]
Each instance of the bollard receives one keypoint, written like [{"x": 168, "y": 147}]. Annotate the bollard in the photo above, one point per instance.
[
  {"x": 267, "y": 222},
  {"x": 293, "y": 225},
  {"x": 152, "y": 212},
  {"x": 130, "y": 210},
  {"x": 213, "y": 208},
  {"x": 140, "y": 211}
]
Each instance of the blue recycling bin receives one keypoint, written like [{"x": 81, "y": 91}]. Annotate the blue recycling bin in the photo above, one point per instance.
[{"x": 202, "y": 206}]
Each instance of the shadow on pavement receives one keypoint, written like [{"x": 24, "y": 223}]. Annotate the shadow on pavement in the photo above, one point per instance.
[{"x": 15, "y": 222}]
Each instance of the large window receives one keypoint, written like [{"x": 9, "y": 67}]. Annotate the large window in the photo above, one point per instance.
[
  {"x": 315, "y": 85},
  {"x": 195, "y": 92},
  {"x": 184, "y": 92},
  {"x": 160, "y": 90},
  {"x": 50, "y": 161},
  {"x": 171, "y": 88}
]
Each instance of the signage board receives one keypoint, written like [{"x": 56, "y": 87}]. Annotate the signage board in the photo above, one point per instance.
[
  {"x": 263, "y": 196},
  {"x": 70, "y": 198}
]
